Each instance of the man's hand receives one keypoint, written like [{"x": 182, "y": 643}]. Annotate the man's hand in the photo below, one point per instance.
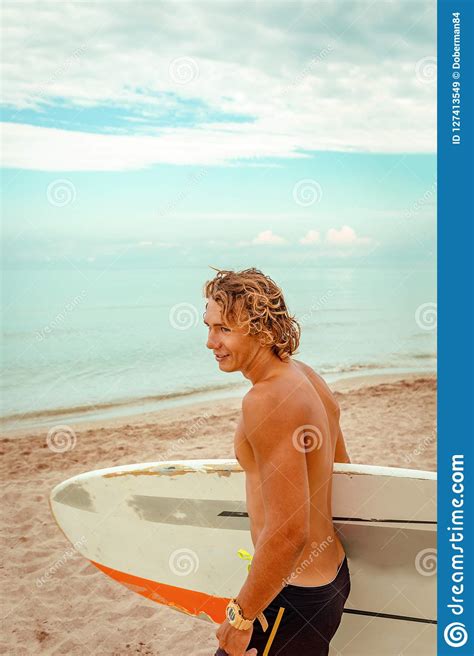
[{"x": 233, "y": 641}]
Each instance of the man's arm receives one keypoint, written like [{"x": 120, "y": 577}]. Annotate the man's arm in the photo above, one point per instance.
[{"x": 270, "y": 422}]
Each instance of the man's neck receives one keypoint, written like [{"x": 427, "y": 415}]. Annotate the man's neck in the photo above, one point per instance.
[{"x": 264, "y": 365}]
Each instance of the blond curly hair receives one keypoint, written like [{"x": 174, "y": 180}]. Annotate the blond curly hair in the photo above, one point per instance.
[{"x": 253, "y": 301}]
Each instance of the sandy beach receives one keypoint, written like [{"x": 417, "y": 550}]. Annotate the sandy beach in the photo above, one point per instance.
[{"x": 386, "y": 420}]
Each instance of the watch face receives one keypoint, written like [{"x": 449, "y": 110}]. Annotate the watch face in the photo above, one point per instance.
[{"x": 231, "y": 614}]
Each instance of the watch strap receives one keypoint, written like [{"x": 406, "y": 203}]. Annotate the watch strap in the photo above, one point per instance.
[
  {"x": 241, "y": 623},
  {"x": 263, "y": 622}
]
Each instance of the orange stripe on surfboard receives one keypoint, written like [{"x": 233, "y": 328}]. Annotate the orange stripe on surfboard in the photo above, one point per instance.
[{"x": 187, "y": 601}]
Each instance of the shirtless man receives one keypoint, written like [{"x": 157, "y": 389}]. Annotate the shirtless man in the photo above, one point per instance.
[{"x": 287, "y": 439}]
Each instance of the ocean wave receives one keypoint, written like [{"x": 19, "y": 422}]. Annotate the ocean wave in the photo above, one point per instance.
[
  {"x": 352, "y": 367},
  {"x": 163, "y": 399},
  {"x": 94, "y": 407}
]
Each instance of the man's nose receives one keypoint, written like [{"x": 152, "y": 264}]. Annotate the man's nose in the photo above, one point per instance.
[{"x": 212, "y": 341}]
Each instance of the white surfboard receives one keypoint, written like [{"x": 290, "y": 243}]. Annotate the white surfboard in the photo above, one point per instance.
[{"x": 171, "y": 531}]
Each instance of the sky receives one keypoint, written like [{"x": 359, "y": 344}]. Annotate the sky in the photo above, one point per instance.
[{"x": 226, "y": 133}]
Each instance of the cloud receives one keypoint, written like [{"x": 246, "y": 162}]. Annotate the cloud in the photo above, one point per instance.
[
  {"x": 341, "y": 238},
  {"x": 49, "y": 149},
  {"x": 345, "y": 236},
  {"x": 264, "y": 238},
  {"x": 268, "y": 237},
  {"x": 311, "y": 237},
  {"x": 301, "y": 73}
]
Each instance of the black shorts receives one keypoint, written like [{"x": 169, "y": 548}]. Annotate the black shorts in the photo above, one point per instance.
[{"x": 302, "y": 620}]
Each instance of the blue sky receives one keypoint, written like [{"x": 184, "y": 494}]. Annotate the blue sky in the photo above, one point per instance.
[{"x": 286, "y": 132}]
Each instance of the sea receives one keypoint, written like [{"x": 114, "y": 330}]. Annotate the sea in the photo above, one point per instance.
[{"x": 97, "y": 344}]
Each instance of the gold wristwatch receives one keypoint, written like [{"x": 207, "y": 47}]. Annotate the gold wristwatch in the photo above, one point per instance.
[{"x": 236, "y": 617}]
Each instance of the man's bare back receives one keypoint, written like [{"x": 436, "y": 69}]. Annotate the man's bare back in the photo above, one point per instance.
[{"x": 302, "y": 387}]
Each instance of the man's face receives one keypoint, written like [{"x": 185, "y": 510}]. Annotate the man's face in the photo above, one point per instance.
[{"x": 232, "y": 348}]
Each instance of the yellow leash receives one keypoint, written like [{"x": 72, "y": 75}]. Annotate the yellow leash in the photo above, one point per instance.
[{"x": 244, "y": 555}]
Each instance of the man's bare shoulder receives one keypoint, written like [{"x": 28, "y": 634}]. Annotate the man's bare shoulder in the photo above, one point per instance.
[
  {"x": 263, "y": 393},
  {"x": 267, "y": 411},
  {"x": 321, "y": 387},
  {"x": 273, "y": 394},
  {"x": 278, "y": 399},
  {"x": 309, "y": 370}
]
